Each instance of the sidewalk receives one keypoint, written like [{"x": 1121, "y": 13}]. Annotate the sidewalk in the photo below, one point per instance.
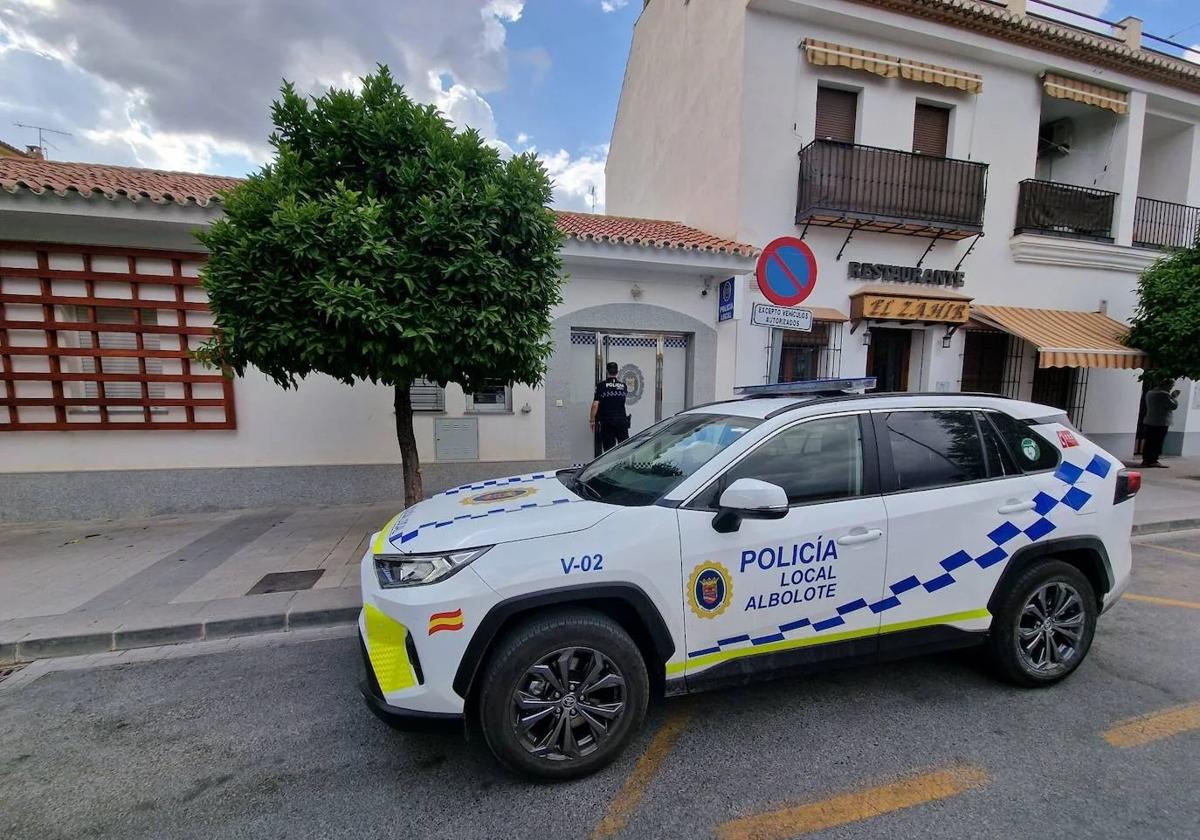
[{"x": 70, "y": 588}]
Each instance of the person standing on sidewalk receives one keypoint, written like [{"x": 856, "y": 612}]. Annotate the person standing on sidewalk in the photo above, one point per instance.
[
  {"x": 1160, "y": 410},
  {"x": 608, "y": 409}
]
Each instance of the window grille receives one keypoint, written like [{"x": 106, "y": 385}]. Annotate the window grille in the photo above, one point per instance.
[
  {"x": 427, "y": 396},
  {"x": 101, "y": 338}
]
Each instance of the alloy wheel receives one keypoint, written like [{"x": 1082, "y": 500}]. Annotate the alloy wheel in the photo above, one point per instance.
[
  {"x": 567, "y": 703},
  {"x": 1050, "y": 628}
]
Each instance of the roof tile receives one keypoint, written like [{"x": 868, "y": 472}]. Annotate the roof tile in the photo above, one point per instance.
[{"x": 161, "y": 187}]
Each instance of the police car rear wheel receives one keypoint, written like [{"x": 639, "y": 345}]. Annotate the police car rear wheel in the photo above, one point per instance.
[
  {"x": 1044, "y": 626},
  {"x": 563, "y": 695}
]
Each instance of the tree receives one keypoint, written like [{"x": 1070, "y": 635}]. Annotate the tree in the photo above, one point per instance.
[
  {"x": 382, "y": 245},
  {"x": 1166, "y": 324}
]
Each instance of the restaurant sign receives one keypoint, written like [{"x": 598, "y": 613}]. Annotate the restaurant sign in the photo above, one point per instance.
[
  {"x": 905, "y": 274},
  {"x": 883, "y": 307}
]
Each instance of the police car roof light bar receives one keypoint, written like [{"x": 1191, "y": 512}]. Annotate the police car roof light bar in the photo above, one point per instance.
[{"x": 809, "y": 388}]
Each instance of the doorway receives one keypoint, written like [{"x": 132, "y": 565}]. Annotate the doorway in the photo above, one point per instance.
[
  {"x": 653, "y": 366},
  {"x": 887, "y": 358}
]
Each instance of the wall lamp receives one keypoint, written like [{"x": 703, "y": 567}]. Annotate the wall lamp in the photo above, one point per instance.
[
  {"x": 949, "y": 336},
  {"x": 867, "y": 337}
]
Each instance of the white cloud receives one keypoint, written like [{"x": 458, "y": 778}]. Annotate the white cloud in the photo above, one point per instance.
[
  {"x": 523, "y": 138},
  {"x": 613, "y": 5},
  {"x": 576, "y": 176},
  {"x": 189, "y": 84}
]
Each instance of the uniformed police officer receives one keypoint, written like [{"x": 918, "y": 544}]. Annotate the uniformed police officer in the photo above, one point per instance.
[{"x": 608, "y": 409}]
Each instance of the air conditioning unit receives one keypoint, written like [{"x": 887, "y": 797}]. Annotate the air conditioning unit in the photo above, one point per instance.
[{"x": 1054, "y": 138}]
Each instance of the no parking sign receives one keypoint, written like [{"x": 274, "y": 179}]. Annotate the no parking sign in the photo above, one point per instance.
[{"x": 786, "y": 271}]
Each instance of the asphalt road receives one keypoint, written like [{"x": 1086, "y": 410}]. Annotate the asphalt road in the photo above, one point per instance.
[{"x": 273, "y": 741}]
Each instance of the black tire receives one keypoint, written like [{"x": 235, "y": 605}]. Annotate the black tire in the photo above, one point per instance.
[
  {"x": 509, "y": 669},
  {"x": 1004, "y": 639}
]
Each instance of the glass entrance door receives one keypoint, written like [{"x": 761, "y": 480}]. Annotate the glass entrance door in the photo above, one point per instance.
[{"x": 653, "y": 367}]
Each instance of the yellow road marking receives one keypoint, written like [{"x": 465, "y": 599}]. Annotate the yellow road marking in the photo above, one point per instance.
[
  {"x": 856, "y": 806},
  {"x": 1170, "y": 548},
  {"x": 631, "y": 793},
  {"x": 1154, "y": 727},
  {"x": 1166, "y": 602}
]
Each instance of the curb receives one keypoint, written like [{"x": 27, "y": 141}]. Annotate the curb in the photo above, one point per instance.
[
  {"x": 1163, "y": 527},
  {"x": 79, "y": 644}
]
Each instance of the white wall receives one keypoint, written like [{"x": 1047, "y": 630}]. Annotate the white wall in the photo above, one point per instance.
[
  {"x": 324, "y": 422},
  {"x": 1166, "y": 154},
  {"x": 674, "y": 142}
]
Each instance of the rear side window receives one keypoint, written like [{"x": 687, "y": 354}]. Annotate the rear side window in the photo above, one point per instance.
[
  {"x": 1031, "y": 451},
  {"x": 935, "y": 448}
]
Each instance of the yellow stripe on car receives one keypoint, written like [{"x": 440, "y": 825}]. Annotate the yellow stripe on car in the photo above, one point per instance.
[
  {"x": 379, "y": 544},
  {"x": 677, "y": 668},
  {"x": 387, "y": 650}
]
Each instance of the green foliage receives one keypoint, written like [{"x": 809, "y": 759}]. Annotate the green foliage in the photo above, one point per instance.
[
  {"x": 383, "y": 245},
  {"x": 1166, "y": 324}
]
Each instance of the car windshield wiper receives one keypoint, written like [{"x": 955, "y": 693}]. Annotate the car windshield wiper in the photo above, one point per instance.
[{"x": 580, "y": 484}]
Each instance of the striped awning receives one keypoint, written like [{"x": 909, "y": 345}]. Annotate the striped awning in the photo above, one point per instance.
[
  {"x": 1064, "y": 338},
  {"x": 827, "y": 54},
  {"x": 825, "y": 313},
  {"x": 1063, "y": 87},
  {"x": 919, "y": 71}
]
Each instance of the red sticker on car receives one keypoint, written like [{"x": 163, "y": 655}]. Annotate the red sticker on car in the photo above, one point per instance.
[{"x": 1067, "y": 439}]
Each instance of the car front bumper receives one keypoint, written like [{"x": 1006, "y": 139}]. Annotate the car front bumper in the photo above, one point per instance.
[{"x": 397, "y": 717}]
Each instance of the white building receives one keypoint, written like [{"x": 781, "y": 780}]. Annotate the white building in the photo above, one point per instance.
[
  {"x": 1045, "y": 162},
  {"x": 103, "y": 413}
]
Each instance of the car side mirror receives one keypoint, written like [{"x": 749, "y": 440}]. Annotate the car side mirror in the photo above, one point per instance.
[{"x": 749, "y": 498}]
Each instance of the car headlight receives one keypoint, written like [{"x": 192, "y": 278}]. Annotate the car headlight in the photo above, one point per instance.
[{"x": 396, "y": 570}]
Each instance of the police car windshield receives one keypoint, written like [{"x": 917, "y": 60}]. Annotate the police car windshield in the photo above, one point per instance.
[{"x": 648, "y": 465}]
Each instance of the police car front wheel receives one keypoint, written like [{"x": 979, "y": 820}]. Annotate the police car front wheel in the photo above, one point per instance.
[{"x": 563, "y": 694}]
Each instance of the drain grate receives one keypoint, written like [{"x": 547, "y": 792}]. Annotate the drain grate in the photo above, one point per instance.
[
  {"x": 286, "y": 581},
  {"x": 7, "y": 671}
]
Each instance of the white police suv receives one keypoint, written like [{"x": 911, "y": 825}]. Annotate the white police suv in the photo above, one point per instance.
[{"x": 776, "y": 533}]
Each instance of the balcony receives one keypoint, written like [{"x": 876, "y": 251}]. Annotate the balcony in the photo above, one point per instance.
[
  {"x": 1164, "y": 224},
  {"x": 868, "y": 188},
  {"x": 1065, "y": 210}
]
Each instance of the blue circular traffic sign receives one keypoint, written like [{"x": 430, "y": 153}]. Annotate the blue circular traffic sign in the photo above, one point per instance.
[{"x": 786, "y": 271}]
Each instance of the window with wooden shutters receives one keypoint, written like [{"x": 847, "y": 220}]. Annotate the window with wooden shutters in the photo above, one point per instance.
[
  {"x": 837, "y": 114},
  {"x": 931, "y": 130},
  {"x": 120, "y": 364}
]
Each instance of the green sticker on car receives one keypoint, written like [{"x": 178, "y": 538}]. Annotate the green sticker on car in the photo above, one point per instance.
[{"x": 1030, "y": 449}]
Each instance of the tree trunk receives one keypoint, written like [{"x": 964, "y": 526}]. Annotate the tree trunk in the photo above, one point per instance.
[{"x": 410, "y": 461}]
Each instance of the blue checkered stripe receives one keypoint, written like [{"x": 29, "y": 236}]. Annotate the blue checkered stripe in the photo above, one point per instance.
[
  {"x": 960, "y": 561},
  {"x": 401, "y": 536},
  {"x": 496, "y": 483}
]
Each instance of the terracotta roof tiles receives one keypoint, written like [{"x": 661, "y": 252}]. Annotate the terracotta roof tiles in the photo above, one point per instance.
[
  {"x": 649, "y": 233},
  {"x": 112, "y": 182}
]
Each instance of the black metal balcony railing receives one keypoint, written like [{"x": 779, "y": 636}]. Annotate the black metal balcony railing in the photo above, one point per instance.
[
  {"x": 1165, "y": 224},
  {"x": 885, "y": 189},
  {"x": 1065, "y": 210}
]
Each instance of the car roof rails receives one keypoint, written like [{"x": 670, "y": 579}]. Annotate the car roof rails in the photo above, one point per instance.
[{"x": 829, "y": 387}]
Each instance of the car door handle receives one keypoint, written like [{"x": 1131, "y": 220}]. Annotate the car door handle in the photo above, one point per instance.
[
  {"x": 1013, "y": 506},
  {"x": 858, "y": 536}
]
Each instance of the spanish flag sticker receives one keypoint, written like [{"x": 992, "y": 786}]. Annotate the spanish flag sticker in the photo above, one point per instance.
[{"x": 445, "y": 621}]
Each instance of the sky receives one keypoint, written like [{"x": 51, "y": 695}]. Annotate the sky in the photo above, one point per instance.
[{"x": 187, "y": 84}]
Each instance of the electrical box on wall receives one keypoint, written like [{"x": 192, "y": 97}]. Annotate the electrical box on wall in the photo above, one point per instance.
[{"x": 456, "y": 438}]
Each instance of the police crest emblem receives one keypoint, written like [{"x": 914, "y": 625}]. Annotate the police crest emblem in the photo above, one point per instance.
[{"x": 710, "y": 589}]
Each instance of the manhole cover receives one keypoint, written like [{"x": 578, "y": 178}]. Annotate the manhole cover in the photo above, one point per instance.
[
  {"x": 7, "y": 671},
  {"x": 286, "y": 581}
]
